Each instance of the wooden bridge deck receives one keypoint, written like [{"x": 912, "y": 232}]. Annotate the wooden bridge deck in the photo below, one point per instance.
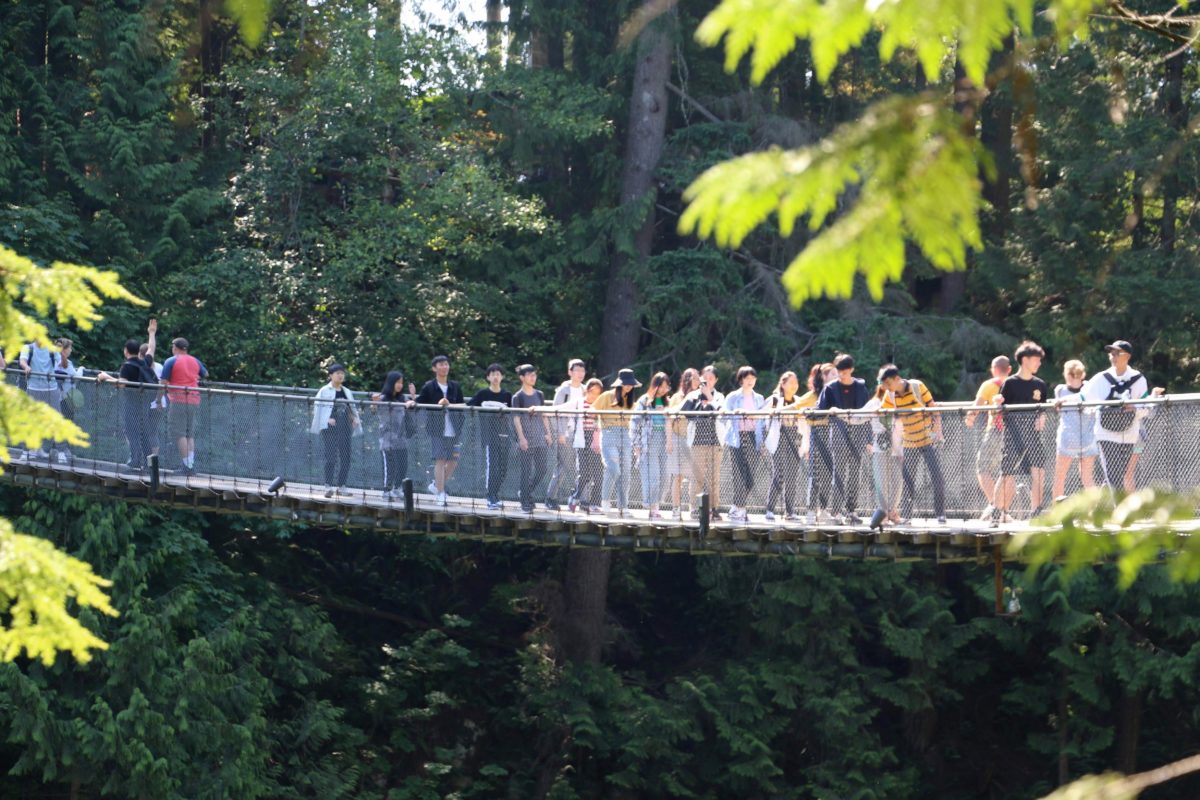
[{"x": 466, "y": 518}]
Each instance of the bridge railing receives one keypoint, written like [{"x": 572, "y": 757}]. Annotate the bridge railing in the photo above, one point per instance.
[{"x": 787, "y": 462}]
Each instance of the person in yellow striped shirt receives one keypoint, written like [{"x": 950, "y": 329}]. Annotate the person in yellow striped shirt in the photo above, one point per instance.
[{"x": 920, "y": 433}]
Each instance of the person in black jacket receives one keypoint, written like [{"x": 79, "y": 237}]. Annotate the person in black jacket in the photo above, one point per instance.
[
  {"x": 847, "y": 443},
  {"x": 444, "y": 427}
]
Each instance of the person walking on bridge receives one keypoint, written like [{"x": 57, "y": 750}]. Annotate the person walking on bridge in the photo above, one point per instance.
[
  {"x": 444, "y": 427},
  {"x": 568, "y": 395},
  {"x": 37, "y": 364},
  {"x": 679, "y": 457},
  {"x": 495, "y": 427},
  {"x": 847, "y": 442},
  {"x": 395, "y": 429},
  {"x": 921, "y": 432},
  {"x": 336, "y": 420},
  {"x": 743, "y": 435},
  {"x": 1024, "y": 450},
  {"x": 533, "y": 435},
  {"x": 588, "y": 466},
  {"x": 1118, "y": 427},
  {"x": 703, "y": 440},
  {"x": 824, "y": 485},
  {"x": 991, "y": 449},
  {"x": 615, "y": 444},
  {"x": 783, "y": 442},
  {"x": 650, "y": 440},
  {"x": 182, "y": 374}
]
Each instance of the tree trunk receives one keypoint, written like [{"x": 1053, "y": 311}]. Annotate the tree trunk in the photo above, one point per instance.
[
  {"x": 1176, "y": 113},
  {"x": 621, "y": 328},
  {"x": 495, "y": 38},
  {"x": 585, "y": 598},
  {"x": 1129, "y": 729},
  {"x": 1064, "y": 737}
]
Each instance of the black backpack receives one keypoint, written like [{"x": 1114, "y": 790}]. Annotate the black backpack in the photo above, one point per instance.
[{"x": 1116, "y": 418}]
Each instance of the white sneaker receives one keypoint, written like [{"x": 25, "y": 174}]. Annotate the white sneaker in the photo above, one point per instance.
[
  {"x": 443, "y": 499},
  {"x": 677, "y": 513},
  {"x": 810, "y": 518},
  {"x": 432, "y": 487},
  {"x": 737, "y": 514},
  {"x": 769, "y": 516},
  {"x": 329, "y": 491},
  {"x": 40, "y": 453},
  {"x": 606, "y": 508},
  {"x": 987, "y": 512}
]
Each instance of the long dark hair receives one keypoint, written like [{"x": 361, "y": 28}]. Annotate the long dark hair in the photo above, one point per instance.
[
  {"x": 658, "y": 380},
  {"x": 388, "y": 392},
  {"x": 623, "y": 395},
  {"x": 816, "y": 377}
]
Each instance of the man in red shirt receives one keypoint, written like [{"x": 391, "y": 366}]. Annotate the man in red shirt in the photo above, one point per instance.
[{"x": 180, "y": 372}]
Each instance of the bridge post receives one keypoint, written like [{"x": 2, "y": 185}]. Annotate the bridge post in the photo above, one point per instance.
[
  {"x": 153, "y": 474},
  {"x": 703, "y": 503},
  {"x": 407, "y": 486}
]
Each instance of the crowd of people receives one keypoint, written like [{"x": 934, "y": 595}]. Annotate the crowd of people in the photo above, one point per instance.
[{"x": 588, "y": 436}]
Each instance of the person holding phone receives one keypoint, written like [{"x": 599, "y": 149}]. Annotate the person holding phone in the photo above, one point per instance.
[{"x": 703, "y": 440}]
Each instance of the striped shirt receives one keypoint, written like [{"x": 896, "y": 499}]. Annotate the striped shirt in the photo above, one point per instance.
[{"x": 917, "y": 428}]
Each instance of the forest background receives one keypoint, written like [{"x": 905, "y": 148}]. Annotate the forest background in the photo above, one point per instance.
[{"x": 356, "y": 188}]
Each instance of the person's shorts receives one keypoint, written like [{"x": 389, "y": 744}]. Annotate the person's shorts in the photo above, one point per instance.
[
  {"x": 181, "y": 421},
  {"x": 1022, "y": 453},
  {"x": 987, "y": 460},
  {"x": 1088, "y": 451},
  {"x": 444, "y": 448}
]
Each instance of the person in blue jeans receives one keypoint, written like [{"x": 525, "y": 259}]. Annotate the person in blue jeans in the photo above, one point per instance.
[
  {"x": 650, "y": 440},
  {"x": 744, "y": 437},
  {"x": 615, "y": 444}
]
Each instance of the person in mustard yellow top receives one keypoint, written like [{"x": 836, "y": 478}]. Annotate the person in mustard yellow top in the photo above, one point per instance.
[
  {"x": 987, "y": 461},
  {"x": 821, "y": 475},
  {"x": 616, "y": 447},
  {"x": 679, "y": 457},
  {"x": 920, "y": 434}
]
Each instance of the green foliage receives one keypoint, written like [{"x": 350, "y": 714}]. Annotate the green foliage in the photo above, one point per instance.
[
  {"x": 1134, "y": 530},
  {"x": 969, "y": 30},
  {"x": 211, "y": 686},
  {"x": 914, "y": 176},
  {"x": 251, "y": 17},
  {"x": 38, "y": 585}
]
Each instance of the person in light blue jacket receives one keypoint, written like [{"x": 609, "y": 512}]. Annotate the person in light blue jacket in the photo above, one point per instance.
[
  {"x": 743, "y": 435},
  {"x": 336, "y": 420}
]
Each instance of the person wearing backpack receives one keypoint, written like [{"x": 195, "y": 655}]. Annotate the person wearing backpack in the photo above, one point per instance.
[
  {"x": 37, "y": 366},
  {"x": 1117, "y": 426}
]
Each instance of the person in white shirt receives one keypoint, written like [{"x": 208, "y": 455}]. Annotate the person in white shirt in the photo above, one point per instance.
[
  {"x": 1117, "y": 427},
  {"x": 568, "y": 395}
]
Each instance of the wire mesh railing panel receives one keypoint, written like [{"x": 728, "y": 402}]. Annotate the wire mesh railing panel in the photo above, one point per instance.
[{"x": 790, "y": 467}]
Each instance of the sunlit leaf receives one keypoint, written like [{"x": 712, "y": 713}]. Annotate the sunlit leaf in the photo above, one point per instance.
[{"x": 906, "y": 170}]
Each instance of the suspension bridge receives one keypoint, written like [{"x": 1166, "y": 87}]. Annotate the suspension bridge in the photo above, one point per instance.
[{"x": 256, "y": 455}]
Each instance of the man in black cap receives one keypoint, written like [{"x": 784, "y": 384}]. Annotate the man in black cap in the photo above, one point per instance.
[{"x": 1117, "y": 427}]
